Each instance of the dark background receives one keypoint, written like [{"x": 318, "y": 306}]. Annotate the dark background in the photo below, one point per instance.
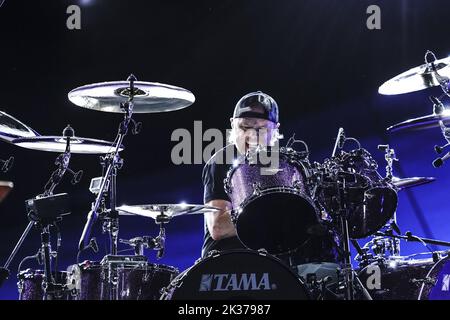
[{"x": 316, "y": 58}]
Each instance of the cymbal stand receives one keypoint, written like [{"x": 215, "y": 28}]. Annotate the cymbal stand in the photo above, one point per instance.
[
  {"x": 108, "y": 187},
  {"x": 45, "y": 211}
]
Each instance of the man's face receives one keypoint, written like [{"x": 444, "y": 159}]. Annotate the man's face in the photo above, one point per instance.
[{"x": 252, "y": 132}]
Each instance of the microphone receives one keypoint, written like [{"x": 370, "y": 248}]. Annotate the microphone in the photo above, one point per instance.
[
  {"x": 340, "y": 140},
  {"x": 86, "y": 234},
  {"x": 440, "y": 161}
]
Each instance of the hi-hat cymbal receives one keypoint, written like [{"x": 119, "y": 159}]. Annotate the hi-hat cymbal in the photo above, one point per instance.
[
  {"x": 425, "y": 122},
  {"x": 5, "y": 188},
  {"x": 417, "y": 78},
  {"x": 11, "y": 128},
  {"x": 58, "y": 144},
  {"x": 148, "y": 97},
  {"x": 168, "y": 210},
  {"x": 403, "y": 183}
]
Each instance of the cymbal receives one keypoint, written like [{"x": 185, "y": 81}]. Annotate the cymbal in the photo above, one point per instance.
[
  {"x": 11, "y": 128},
  {"x": 148, "y": 97},
  {"x": 167, "y": 210},
  {"x": 425, "y": 122},
  {"x": 403, "y": 183},
  {"x": 417, "y": 78},
  {"x": 58, "y": 144},
  {"x": 5, "y": 188}
]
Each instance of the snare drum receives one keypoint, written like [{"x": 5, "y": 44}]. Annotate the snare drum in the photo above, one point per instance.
[
  {"x": 272, "y": 209},
  {"x": 237, "y": 275},
  {"x": 135, "y": 280}
]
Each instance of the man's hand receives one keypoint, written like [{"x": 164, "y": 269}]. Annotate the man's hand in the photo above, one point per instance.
[{"x": 219, "y": 223}]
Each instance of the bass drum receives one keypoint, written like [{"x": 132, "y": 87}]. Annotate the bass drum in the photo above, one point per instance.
[
  {"x": 237, "y": 275},
  {"x": 437, "y": 284}
]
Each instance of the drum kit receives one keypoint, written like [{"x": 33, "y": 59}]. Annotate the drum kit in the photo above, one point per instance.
[{"x": 343, "y": 198}]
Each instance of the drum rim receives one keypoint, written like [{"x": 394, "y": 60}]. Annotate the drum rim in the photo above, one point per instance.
[
  {"x": 432, "y": 274},
  {"x": 306, "y": 171}
]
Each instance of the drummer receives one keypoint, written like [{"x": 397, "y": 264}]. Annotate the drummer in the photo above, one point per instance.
[{"x": 254, "y": 121}]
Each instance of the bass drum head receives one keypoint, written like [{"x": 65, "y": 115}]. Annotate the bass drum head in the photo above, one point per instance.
[
  {"x": 276, "y": 221},
  {"x": 237, "y": 275},
  {"x": 437, "y": 285}
]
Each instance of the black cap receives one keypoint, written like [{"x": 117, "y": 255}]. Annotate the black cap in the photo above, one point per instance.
[{"x": 257, "y": 105}]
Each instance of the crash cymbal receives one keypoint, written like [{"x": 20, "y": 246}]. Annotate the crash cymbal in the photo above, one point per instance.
[
  {"x": 417, "y": 78},
  {"x": 11, "y": 128},
  {"x": 58, "y": 144},
  {"x": 403, "y": 183},
  {"x": 5, "y": 188},
  {"x": 425, "y": 122},
  {"x": 148, "y": 97},
  {"x": 168, "y": 210}
]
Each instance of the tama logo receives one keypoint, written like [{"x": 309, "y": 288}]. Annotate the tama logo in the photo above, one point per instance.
[{"x": 235, "y": 282}]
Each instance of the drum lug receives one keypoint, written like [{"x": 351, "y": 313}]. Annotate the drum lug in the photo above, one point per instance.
[
  {"x": 263, "y": 252},
  {"x": 256, "y": 188},
  {"x": 227, "y": 186},
  {"x": 298, "y": 185}
]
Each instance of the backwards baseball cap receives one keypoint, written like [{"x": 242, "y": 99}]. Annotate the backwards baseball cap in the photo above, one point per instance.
[{"x": 257, "y": 105}]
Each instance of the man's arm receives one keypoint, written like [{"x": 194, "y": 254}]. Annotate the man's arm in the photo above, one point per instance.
[{"x": 219, "y": 223}]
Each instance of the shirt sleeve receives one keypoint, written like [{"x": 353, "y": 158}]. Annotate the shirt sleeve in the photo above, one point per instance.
[{"x": 213, "y": 183}]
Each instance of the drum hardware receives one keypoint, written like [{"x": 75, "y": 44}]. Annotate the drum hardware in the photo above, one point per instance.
[
  {"x": 339, "y": 143},
  {"x": 413, "y": 238},
  {"x": 162, "y": 214},
  {"x": 111, "y": 164},
  {"x": 45, "y": 211},
  {"x": 390, "y": 157},
  {"x": 93, "y": 245},
  {"x": 342, "y": 215},
  {"x": 6, "y": 165},
  {"x": 158, "y": 243},
  {"x": 139, "y": 244}
]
